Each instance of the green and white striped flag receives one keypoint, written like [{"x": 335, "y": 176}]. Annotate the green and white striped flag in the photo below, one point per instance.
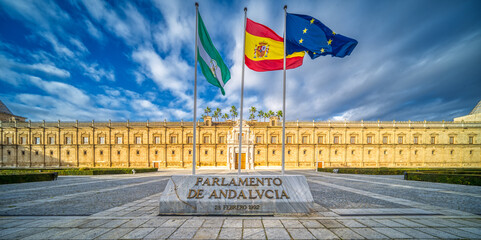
[{"x": 211, "y": 63}]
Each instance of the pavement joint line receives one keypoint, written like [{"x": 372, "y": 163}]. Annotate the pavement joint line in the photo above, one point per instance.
[
  {"x": 400, "y": 201},
  {"x": 64, "y": 185},
  {"x": 398, "y": 185},
  {"x": 68, "y": 196}
]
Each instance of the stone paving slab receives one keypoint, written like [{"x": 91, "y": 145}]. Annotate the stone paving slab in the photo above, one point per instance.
[{"x": 139, "y": 220}]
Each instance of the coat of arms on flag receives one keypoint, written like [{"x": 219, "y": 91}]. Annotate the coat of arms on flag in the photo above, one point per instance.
[{"x": 261, "y": 50}]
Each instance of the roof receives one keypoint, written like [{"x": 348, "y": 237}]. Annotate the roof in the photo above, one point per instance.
[
  {"x": 4, "y": 108},
  {"x": 476, "y": 109}
]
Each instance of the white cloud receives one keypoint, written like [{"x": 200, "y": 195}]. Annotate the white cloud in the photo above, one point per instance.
[
  {"x": 170, "y": 73},
  {"x": 51, "y": 70},
  {"x": 65, "y": 92},
  {"x": 126, "y": 22},
  {"x": 95, "y": 72}
]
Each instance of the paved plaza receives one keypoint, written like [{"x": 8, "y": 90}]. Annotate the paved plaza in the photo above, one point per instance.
[{"x": 347, "y": 207}]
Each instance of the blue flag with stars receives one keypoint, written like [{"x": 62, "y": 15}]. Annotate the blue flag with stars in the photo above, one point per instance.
[{"x": 305, "y": 33}]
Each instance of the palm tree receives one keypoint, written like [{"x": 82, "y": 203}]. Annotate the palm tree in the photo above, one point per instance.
[
  {"x": 266, "y": 116},
  {"x": 270, "y": 113},
  {"x": 279, "y": 113},
  {"x": 253, "y": 110},
  {"x": 225, "y": 116},
  {"x": 233, "y": 112},
  {"x": 217, "y": 114},
  {"x": 207, "y": 111},
  {"x": 260, "y": 114},
  {"x": 252, "y": 116}
]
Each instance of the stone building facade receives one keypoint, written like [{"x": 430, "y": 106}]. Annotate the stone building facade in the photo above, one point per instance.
[{"x": 169, "y": 144}]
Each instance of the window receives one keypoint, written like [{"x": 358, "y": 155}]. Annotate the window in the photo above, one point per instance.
[
  {"x": 305, "y": 151},
  {"x": 471, "y": 140},
  {"x": 138, "y": 152},
  {"x": 400, "y": 152},
  {"x": 138, "y": 140},
  {"x": 23, "y": 140},
  {"x": 190, "y": 152},
  {"x": 258, "y": 152},
  {"x": 432, "y": 152},
  {"x": 118, "y": 140},
  {"x": 101, "y": 152},
  {"x": 451, "y": 140},
  {"x": 320, "y": 151},
  {"x": 157, "y": 152},
  {"x": 118, "y": 152},
  {"x": 369, "y": 139},
  {"x": 190, "y": 139},
  {"x": 416, "y": 139},
  {"x": 8, "y": 152},
  {"x": 273, "y": 152},
  {"x": 335, "y": 152},
  {"x": 221, "y": 139},
  {"x": 206, "y": 152},
  {"x": 352, "y": 152},
  {"x": 9, "y": 140},
  {"x": 289, "y": 139},
  {"x": 433, "y": 140},
  {"x": 369, "y": 152},
  {"x": 221, "y": 152},
  {"x": 51, "y": 140},
  {"x": 385, "y": 152},
  {"x": 173, "y": 139},
  {"x": 206, "y": 139},
  {"x": 452, "y": 151},
  {"x": 384, "y": 140},
  {"x": 36, "y": 140},
  {"x": 258, "y": 139},
  {"x": 415, "y": 152},
  {"x": 289, "y": 152},
  {"x": 353, "y": 139},
  {"x": 68, "y": 153},
  {"x": 400, "y": 140},
  {"x": 68, "y": 140},
  {"x": 23, "y": 152},
  {"x": 86, "y": 140},
  {"x": 304, "y": 139},
  {"x": 51, "y": 152},
  {"x": 173, "y": 152},
  {"x": 102, "y": 140},
  {"x": 273, "y": 139},
  {"x": 336, "y": 139},
  {"x": 157, "y": 140},
  {"x": 36, "y": 153},
  {"x": 320, "y": 139},
  {"x": 85, "y": 152}
]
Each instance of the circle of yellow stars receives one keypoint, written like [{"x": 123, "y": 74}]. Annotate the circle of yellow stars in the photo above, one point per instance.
[{"x": 329, "y": 42}]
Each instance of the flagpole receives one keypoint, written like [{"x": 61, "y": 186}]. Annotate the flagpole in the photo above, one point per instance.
[
  {"x": 239, "y": 157},
  {"x": 284, "y": 98},
  {"x": 195, "y": 86}
]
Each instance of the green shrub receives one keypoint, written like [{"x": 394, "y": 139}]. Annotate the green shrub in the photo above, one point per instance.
[
  {"x": 397, "y": 171},
  {"x": 27, "y": 177},
  {"x": 465, "y": 179}
]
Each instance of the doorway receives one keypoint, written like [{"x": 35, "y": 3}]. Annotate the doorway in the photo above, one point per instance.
[{"x": 243, "y": 161}]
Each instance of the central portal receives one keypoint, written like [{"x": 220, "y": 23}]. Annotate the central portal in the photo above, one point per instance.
[{"x": 243, "y": 161}]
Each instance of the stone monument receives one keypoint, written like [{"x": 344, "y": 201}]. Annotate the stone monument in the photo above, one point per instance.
[{"x": 236, "y": 195}]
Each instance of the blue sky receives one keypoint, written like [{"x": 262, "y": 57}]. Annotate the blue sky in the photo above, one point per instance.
[{"x": 90, "y": 59}]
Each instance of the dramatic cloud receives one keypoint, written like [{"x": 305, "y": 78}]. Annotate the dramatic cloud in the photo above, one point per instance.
[{"x": 101, "y": 60}]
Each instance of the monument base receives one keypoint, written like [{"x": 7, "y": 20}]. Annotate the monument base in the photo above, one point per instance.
[{"x": 236, "y": 195}]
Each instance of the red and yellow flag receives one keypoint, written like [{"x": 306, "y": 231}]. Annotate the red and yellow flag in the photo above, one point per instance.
[{"x": 264, "y": 49}]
